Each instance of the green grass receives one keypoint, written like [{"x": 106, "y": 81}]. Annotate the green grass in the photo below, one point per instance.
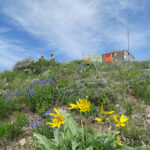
[
  {"x": 142, "y": 90},
  {"x": 7, "y": 107},
  {"x": 12, "y": 129}
]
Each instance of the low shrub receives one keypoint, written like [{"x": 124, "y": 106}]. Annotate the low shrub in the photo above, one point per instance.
[
  {"x": 40, "y": 98},
  {"x": 23, "y": 64}
]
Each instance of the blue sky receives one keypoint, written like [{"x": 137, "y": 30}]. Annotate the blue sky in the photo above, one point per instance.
[{"x": 31, "y": 28}]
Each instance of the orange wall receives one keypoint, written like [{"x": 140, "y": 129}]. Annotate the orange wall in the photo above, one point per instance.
[{"x": 108, "y": 59}]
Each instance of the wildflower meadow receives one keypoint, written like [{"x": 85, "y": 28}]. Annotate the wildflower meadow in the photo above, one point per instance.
[{"x": 79, "y": 105}]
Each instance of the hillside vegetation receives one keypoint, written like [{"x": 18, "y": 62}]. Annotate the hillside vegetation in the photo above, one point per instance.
[{"x": 27, "y": 96}]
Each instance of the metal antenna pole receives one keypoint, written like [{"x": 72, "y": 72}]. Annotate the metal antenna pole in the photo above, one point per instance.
[
  {"x": 128, "y": 37},
  {"x": 83, "y": 54}
]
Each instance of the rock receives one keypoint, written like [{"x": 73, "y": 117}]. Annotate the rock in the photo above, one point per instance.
[
  {"x": 3, "y": 92},
  {"x": 45, "y": 73},
  {"x": 148, "y": 121},
  {"x": 22, "y": 142},
  {"x": 27, "y": 70},
  {"x": 134, "y": 116},
  {"x": 91, "y": 119},
  {"x": 148, "y": 116},
  {"x": 117, "y": 105}
]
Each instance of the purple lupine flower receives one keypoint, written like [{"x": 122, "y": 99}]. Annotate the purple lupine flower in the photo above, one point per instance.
[
  {"x": 26, "y": 125},
  {"x": 34, "y": 82},
  {"x": 17, "y": 92},
  {"x": 61, "y": 127},
  {"x": 38, "y": 85},
  {"x": 29, "y": 124},
  {"x": 47, "y": 112},
  {"x": 9, "y": 96},
  {"x": 33, "y": 124},
  {"x": 28, "y": 86},
  {"x": 28, "y": 96},
  {"x": 48, "y": 80},
  {"x": 32, "y": 91},
  {"x": 41, "y": 118}
]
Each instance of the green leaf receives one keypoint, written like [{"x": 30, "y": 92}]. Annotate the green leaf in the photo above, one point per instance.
[
  {"x": 143, "y": 147},
  {"x": 89, "y": 148},
  {"x": 74, "y": 145},
  {"x": 70, "y": 123},
  {"x": 68, "y": 135},
  {"x": 48, "y": 144},
  {"x": 58, "y": 137}
]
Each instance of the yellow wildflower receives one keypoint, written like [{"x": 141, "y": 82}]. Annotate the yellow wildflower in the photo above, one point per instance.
[
  {"x": 118, "y": 140},
  {"x": 55, "y": 114},
  {"x": 113, "y": 116},
  {"x": 83, "y": 105},
  {"x": 100, "y": 119},
  {"x": 73, "y": 106},
  {"x": 57, "y": 121},
  {"x": 116, "y": 132},
  {"x": 97, "y": 57},
  {"x": 103, "y": 112},
  {"x": 121, "y": 121},
  {"x": 89, "y": 57}
]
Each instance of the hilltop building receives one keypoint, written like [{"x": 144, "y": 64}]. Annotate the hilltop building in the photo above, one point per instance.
[{"x": 117, "y": 56}]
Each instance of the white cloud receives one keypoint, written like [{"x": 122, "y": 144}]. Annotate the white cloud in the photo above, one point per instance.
[
  {"x": 78, "y": 25},
  {"x": 11, "y": 51}
]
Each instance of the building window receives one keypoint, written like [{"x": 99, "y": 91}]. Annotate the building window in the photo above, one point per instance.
[
  {"x": 120, "y": 56},
  {"x": 112, "y": 54}
]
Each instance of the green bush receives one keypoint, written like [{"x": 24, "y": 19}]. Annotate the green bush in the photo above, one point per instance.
[
  {"x": 42, "y": 98},
  {"x": 41, "y": 66}
]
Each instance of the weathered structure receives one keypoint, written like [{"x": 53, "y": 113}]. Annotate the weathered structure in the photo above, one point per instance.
[
  {"x": 52, "y": 57},
  {"x": 42, "y": 58},
  {"x": 116, "y": 56}
]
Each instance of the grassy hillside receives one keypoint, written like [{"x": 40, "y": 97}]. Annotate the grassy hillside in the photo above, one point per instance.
[{"x": 26, "y": 98}]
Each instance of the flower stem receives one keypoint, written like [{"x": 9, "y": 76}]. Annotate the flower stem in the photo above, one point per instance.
[
  {"x": 82, "y": 131},
  {"x": 64, "y": 139}
]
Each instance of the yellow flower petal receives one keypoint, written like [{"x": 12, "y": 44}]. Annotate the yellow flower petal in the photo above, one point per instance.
[
  {"x": 121, "y": 121},
  {"x": 103, "y": 112},
  {"x": 114, "y": 117},
  {"x": 58, "y": 119},
  {"x": 57, "y": 112},
  {"x": 118, "y": 140},
  {"x": 100, "y": 119},
  {"x": 83, "y": 105},
  {"x": 73, "y": 106}
]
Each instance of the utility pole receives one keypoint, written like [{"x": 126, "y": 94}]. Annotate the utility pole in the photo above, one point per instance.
[
  {"x": 83, "y": 55},
  {"x": 128, "y": 37}
]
